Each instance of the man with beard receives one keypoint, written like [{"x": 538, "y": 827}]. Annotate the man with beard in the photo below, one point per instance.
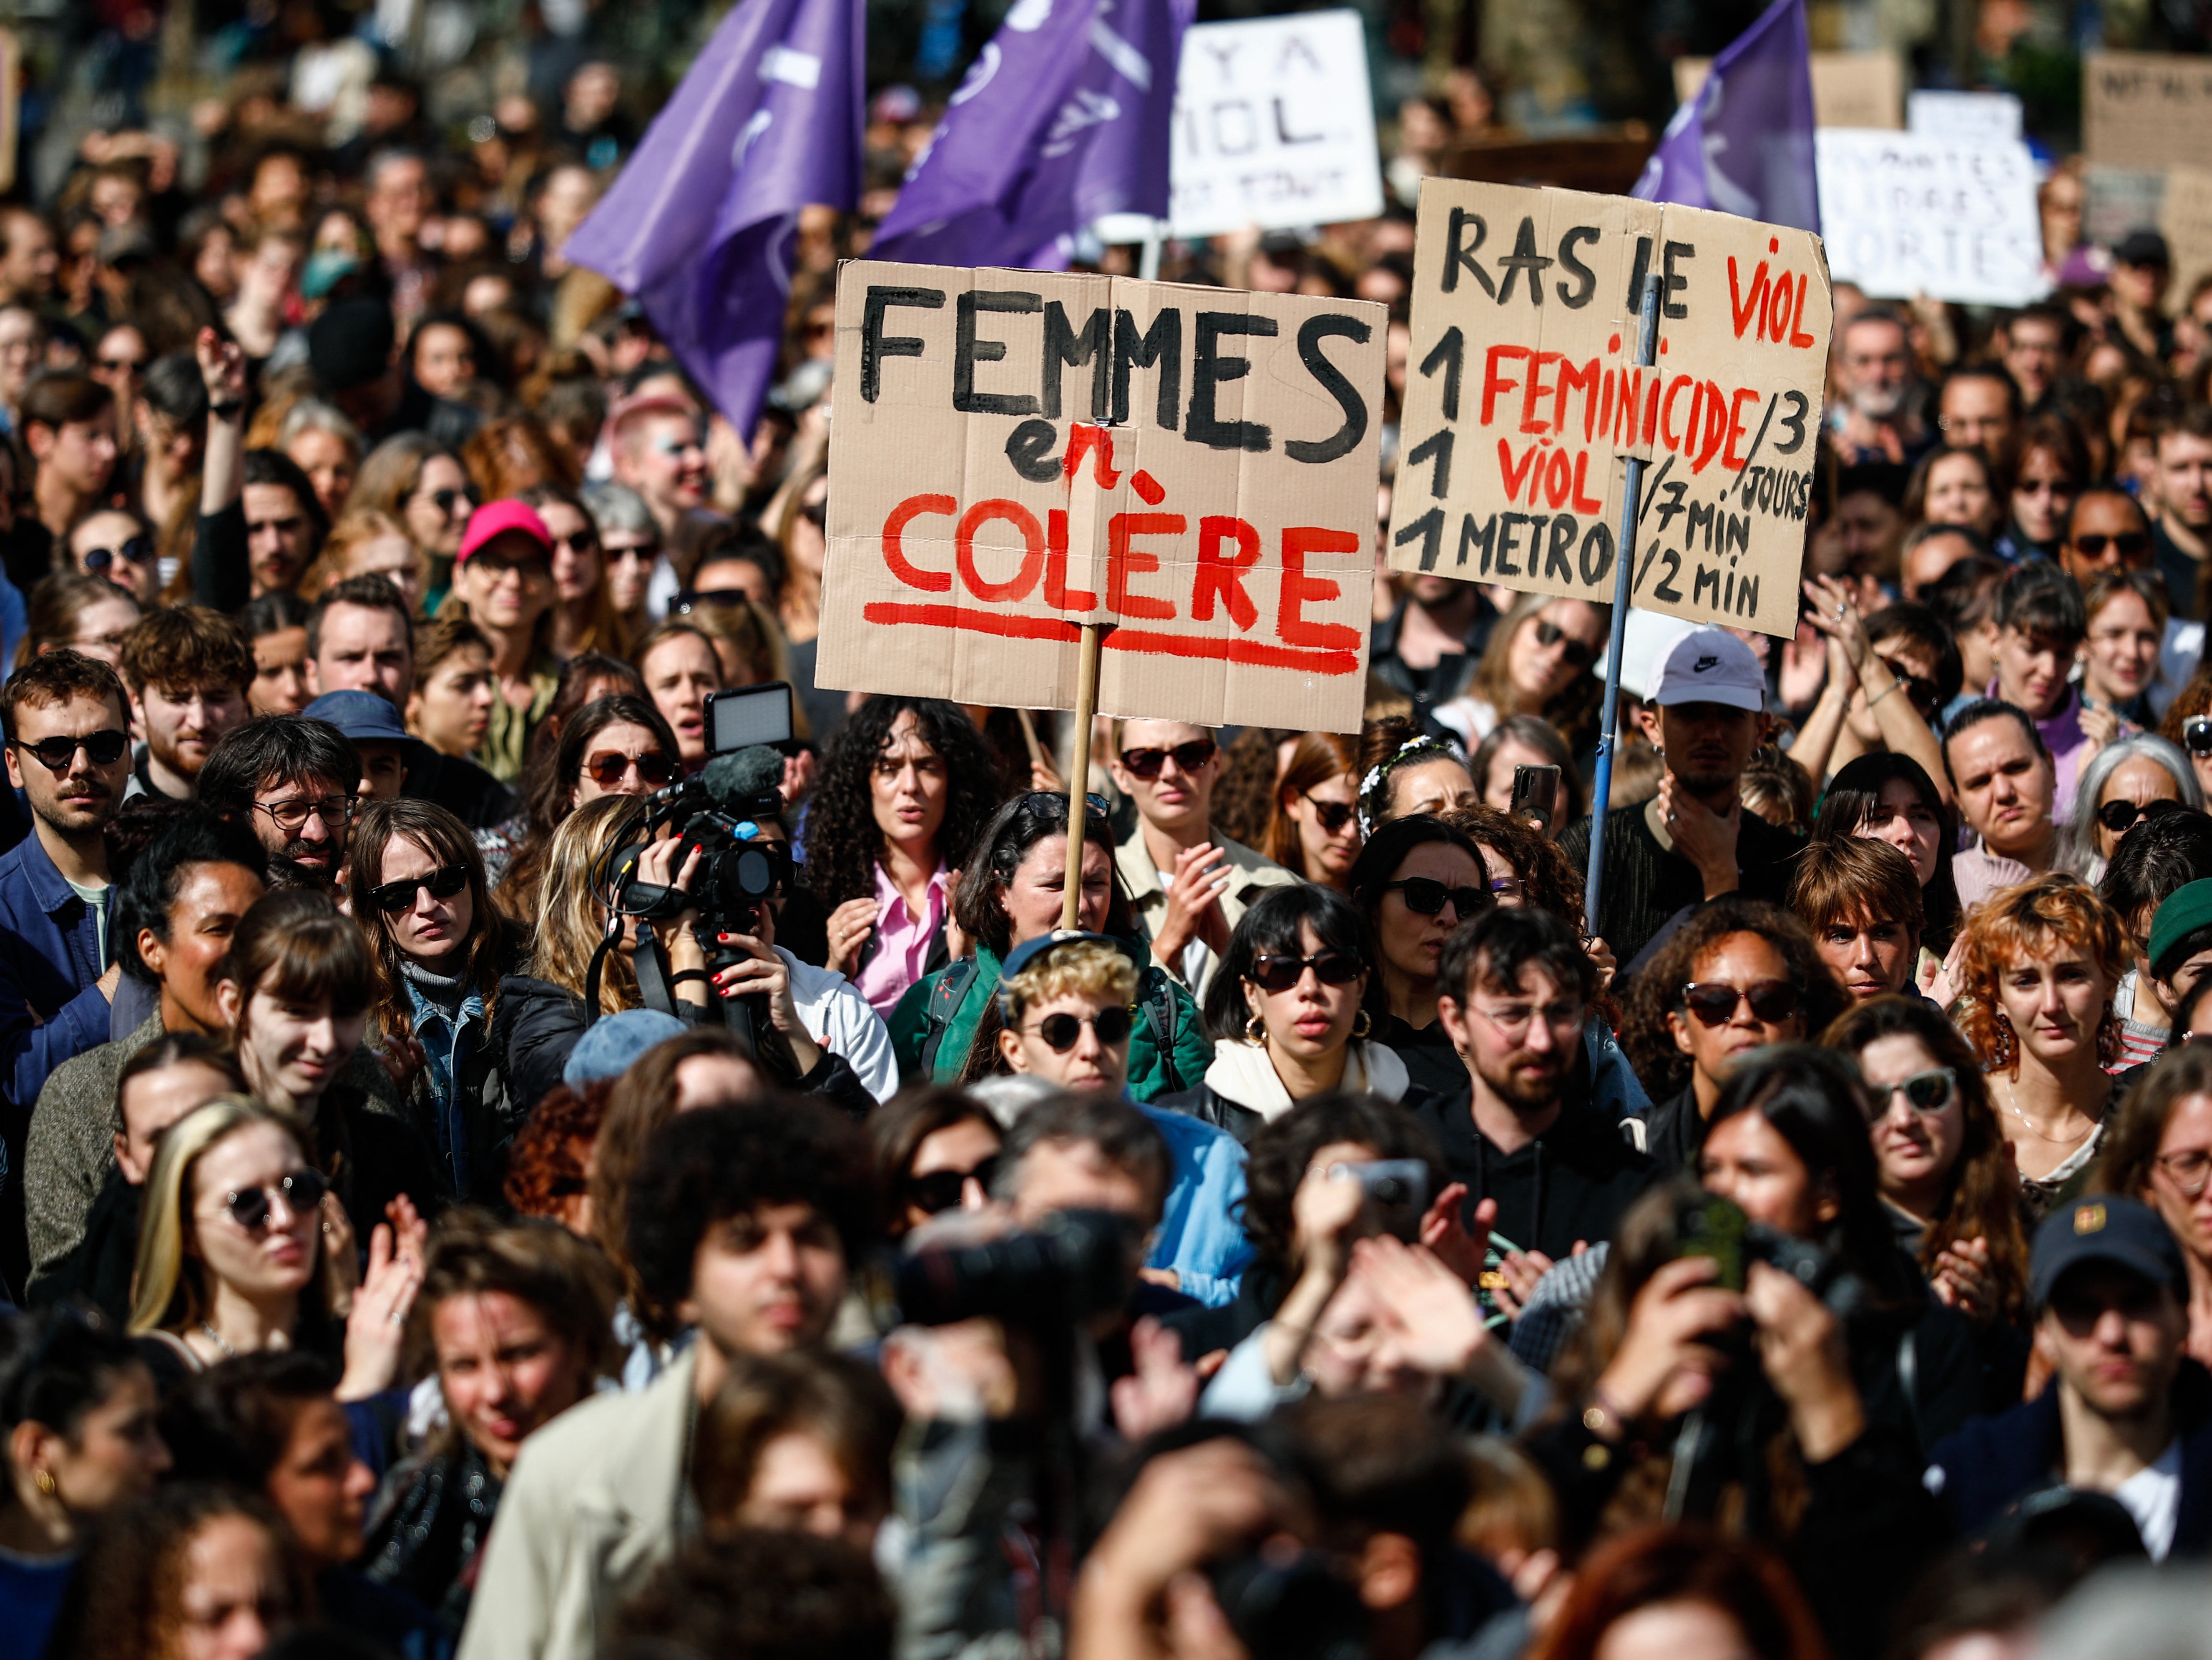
[
  {"x": 1513, "y": 989},
  {"x": 1694, "y": 840},
  {"x": 295, "y": 783},
  {"x": 188, "y": 670},
  {"x": 1429, "y": 646},
  {"x": 1878, "y": 417},
  {"x": 2183, "y": 531}
]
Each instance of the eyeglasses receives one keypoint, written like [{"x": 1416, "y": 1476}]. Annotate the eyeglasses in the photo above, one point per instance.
[
  {"x": 1331, "y": 816},
  {"x": 1566, "y": 1015},
  {"x": 447, "y": 501},
  {"x": 444, "y": 882},
  {"x": 1771, "y": 1001},
  {"x": 2196, "y": 734},
  {"x": 103, "y": 749},
  {"x": 302, "y": 1192},
  {"x": 137, "y": 549},
  {"x": 609, "y": 768},
  {"x": 1060, "y": 1031},
  {"x": 1280, "y": 974},
  {"x": 334, "y": 810},
  {"x": 1549, "y": 634},
  {"x": 691, "y": 599},
  {"x": 2119, "y": 817},
  {"x": 940, "y": 1189},
  {"x": 1188, "y": 757},
  {"x": 2187, "y": 1169},
  {"x": 1925, "y": 696},
  {"x": 119, "y": 365},
  {"x": 1426, "y": 897},
  {"x": 1926, "y": 1091},
  {"x": 2128, "y": 543}
]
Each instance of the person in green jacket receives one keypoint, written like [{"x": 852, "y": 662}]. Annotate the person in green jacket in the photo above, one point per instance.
[{"x": 944, "y": 1029}]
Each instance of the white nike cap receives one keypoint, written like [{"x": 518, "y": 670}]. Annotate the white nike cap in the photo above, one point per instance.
[{"x": 1711, "y": 665}]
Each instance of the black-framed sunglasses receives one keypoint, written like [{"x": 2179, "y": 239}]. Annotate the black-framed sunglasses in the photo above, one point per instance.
[
  {"x": 2128, "y": 543},
  {"x": 1550, "y": 634},
  {"x": 303, "y": 1190},
  {"x": 393, "y": 897},
  {"x": 1279, "y": 973},
  {"x": 103, "y": 748},
  {"x": 1331, "y": 816},
  {"x": 2120, "y": 817},
  {"x": 1147, "y": 763},
  {"x": 1772, "y": 1000},
  {"x": 1425, "y": 896},
  {"x": 137, "y": 549},
  {"x": 691, "y": 599},
  {"x": 582, "y": 541},
  {"x": 940, "y": 1189},
  {"x": 1061, "y": 1030},
  {"x": 2196, "y": 734},
  {"x": 1924, "y": 694},
  {"x": 815, "y": 513},
  {"x": 446, "y": 500}
]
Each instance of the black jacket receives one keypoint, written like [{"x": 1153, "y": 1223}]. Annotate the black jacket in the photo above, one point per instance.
[
  {"x": 461, "y": 786},
  {"x": 430, "y": 1524},
  {"x": 1675, "y": 1133},
  {"x": 1570, "y": 1183},
  {"x": 1430, "y": 1060},
  {"x": 98, "y": 1271}
]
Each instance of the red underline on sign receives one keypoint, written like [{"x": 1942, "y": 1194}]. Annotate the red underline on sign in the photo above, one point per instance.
[{"x": 1252, "y": 653}]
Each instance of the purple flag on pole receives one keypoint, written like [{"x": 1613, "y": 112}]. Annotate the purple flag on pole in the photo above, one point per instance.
[
  {"x": 1064, "y": 118},
  {"x": 700, "y": 225},
  {"x": 1744, "y": 144}
]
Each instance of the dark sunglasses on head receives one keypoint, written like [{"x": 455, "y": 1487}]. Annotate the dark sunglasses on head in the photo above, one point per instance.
[
  {"x": 1280, "y": 974},
  {"x": 137, "y": 549},
  {"x": 444, "y": 882},
  {"x": 1424, "y": 897},
  {"x": 1551, "y": 634},
  {"x": 303, "y": 1191},
  {"x": 2196, "y": 734},
  {"x": 939, "y": 1191},
  {"x": 103, "y": 749},
  {"x": 1189, "y": 757},
  {"x": 1060, "y": 1031},
  {"x": 2120, "y": 817},
  {"x": 607, "y": 769},
  {"x": 2128, "y": 543},
  {"x": 1772, "y": 1000},
  {"x": 1332, "y": 816}
]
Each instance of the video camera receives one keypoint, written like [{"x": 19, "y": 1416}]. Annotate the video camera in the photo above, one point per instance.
[{"x": 1076, "y": 1264}]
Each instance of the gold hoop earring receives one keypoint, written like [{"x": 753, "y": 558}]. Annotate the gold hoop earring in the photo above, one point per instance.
[
  {"x": 1254, "y": 1030},
  {"x": 1362, "y": 1023}
]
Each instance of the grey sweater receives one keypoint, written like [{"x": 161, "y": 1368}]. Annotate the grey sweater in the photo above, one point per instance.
[{"x": 71, "y": 1145}]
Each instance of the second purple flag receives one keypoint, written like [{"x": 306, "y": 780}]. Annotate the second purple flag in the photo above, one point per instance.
[
  {"x": 1063, "y": 118},
  {"x": 1744, "y": 144}
]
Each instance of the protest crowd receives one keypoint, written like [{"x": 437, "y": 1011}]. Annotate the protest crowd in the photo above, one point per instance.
[{"x": 455, "y": 1204}]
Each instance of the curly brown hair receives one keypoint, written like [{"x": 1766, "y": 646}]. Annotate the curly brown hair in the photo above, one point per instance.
[
  {"x": 550, "y": 1164},
  {"x": 2056, "y": 907}
]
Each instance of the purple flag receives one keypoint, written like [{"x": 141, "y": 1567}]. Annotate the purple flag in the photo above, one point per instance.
[
  {"x": 700, "y": 225},
  {"x": 1744, "y": 144},
  {"x": 1064, "y": 118}
]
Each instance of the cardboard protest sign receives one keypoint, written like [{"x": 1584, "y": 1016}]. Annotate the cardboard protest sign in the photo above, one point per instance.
[
  {"x": 1523, "y": 396},
  {"x": 2146, "y": 110},
  {"x": 2185, "y": 215},
  {"x": 1849, "y": 88},
  {"x": 1017, "y": 452},
  {"x": 1905, "y": 214}
]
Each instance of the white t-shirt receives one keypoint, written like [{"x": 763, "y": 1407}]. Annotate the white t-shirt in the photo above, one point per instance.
[
  {"x": 839, "y": 1018},
  {"x": 2153, "y": 1497}
]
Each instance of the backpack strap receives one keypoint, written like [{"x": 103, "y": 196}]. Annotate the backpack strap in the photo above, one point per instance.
[
  {"x": 1156, "y": 994},
  {"x": 944, "y": 1002}
]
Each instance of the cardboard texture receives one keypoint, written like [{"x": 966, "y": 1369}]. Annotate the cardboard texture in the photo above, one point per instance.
[
  {"x": 1849, "y": 88},
  {"x": 1968, "y": 115},
  {"x": 1521, "y": 401},
  {"x": 2146, "y": 110},
  {"x": 2185, "y": 215},
  {"x": 1904, "y": 214},
  {"x": 981, "y": 506}
]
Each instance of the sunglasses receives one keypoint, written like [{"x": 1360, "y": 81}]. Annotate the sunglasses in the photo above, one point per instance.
[
  {"x": 1331, "y": 816},
  {"x": 815, "y": 513},
  {"x": 2121, "y": 817},
  {"x": 1771, "y": 1001},
  {"x": 102, "y": 748},
  {"x": 1060, "y": 1031},
  {"x": 1926, "y": 1091},
  {"x": 939, "y": 1191},
  {"x": 1280, "y": 974},
  {"x": 582, "y": 541},
  {"x": 444, "y": 882},
  {"x": 2196, "y": 734},
  {"x": 1425, "y": 896},
  {"x": 120, "y": 365},
  {"x": 447, "y": 500},
  {"x": 303, "y": 1191},
  {"x": 691, "y": 599},
  {"x": 1551, "y": 634},
  {"x": 608, "y": 768},
  {"x": 1047, "y": 803},
  {"x": 1147, "y": 763},
  {"x": 1925, "y": 696},
  {"x": 138, "y": 551},
  {"x": 2129, "y": 544}
]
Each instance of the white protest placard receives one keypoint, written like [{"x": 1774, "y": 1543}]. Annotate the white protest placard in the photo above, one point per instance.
[
  {"x": 1904, "y": 214},
  {"x": 1018, "y": 453},
  {"x": 1524, "y": 396},
  {"x": 1967, "y": 115}
]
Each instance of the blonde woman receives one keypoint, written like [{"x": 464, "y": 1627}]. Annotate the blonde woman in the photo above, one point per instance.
[
  {"x": 370, "y": 543},
  {"x": 243, "y": 1247},
  {"x": 1540, "y": 661}
]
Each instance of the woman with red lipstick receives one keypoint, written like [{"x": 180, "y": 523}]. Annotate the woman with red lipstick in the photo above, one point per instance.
[{"x": 1416, "y": 880}]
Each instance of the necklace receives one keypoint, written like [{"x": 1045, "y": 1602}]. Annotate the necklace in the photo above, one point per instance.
[
  {"x": 215, "y": 1338},
  {"x": 2028, "y": 1124}
]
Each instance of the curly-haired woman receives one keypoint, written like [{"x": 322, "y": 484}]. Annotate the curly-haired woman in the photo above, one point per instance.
[
  {"x": 2038, "y": 966},
  {"x": 905, "y": 789}
]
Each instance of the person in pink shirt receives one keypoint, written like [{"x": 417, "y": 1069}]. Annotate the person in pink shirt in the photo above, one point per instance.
[{"x": 907, "y": 786}]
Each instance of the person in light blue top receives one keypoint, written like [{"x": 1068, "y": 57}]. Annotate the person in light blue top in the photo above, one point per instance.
[{"x": 418, "y": 883}]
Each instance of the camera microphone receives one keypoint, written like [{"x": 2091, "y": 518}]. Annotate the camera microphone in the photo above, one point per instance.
[{"x": 741, "y": 782}]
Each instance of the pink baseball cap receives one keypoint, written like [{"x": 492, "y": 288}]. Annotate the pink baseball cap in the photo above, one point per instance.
[{"x": 496, "y": 518}]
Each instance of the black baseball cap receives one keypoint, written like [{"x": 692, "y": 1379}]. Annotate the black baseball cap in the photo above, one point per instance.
[{"x": 2125, "y": 1232}]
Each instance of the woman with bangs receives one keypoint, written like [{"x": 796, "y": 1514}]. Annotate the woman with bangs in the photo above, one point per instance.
[
  {"x": 1890, "y": 798},
  {"x": 1314, "y": 830},
  {"x": 617, "y": 746},
  {"x": 243, "y": 1249},
  {"x": 1540, "y": 661},
  {"x": 2039, "y": 965},
  {"x": 419, "y": 894}
]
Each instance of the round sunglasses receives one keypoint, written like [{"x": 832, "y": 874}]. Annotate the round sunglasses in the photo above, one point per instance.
[
  {"x": 393, "y": 897},
  {"x": 2196, "y": 734},
  {"x": 1424, "y": 897},
  {"x": 1279, "y": 973},
  {"x": 251, "y": 1207},
  {"x": 1715, "y": 1004},
  {"x": 1060, "y": 1031},
  {"x": 136, "y": 550}
]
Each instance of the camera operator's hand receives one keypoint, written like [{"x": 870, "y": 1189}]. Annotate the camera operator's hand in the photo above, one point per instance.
[
  {"x": 1678, "y": 1309},
  {"x": 1432, "y": 1318},
  {"x": 677, "y": 937},
  {"x": 1801, "y": 1346},
  {"x": 850, "y": 926},
  {"x": 1444, "y": 1231},
  {"x": 766, "y": 973},
  {"x": 959, "y": 1373}
]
